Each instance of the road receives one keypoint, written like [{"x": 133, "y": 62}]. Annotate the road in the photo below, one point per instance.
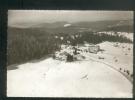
[{"x": 52, "y": 78}]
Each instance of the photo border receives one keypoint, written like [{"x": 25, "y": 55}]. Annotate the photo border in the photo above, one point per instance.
[{"x": 5, "y": 5}]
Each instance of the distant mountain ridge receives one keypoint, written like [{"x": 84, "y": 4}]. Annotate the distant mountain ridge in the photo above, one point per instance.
[{"x": 109, "y": 25}]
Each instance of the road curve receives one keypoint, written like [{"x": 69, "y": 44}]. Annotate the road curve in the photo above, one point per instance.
[{"x": 77, "y": 79}]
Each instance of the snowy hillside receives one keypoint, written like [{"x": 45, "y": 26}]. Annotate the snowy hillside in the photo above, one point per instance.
[{"x": 97, "y": 75}]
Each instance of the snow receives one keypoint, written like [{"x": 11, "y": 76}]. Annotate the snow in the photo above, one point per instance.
[
  {"x": 122, "y": 54},
  {"x": 123, "y": 34},
  {"x": 53, "y": 78},
  {"x": 67, "y": 25},
  {"x": 120, "y": 57}
]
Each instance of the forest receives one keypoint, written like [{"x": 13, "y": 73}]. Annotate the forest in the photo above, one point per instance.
[{"x": 26, "y": 44}]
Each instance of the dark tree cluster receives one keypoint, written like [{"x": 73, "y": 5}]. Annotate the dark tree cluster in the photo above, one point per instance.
[{"x": 29, "y": 44}]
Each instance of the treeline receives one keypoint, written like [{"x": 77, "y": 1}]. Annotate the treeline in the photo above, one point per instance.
[
  {"x": 98, "y": 38},
  {"x": 29, "y": 44},
  {"x": 90, "y": 37},
  {"x": 26, "y": 45}
]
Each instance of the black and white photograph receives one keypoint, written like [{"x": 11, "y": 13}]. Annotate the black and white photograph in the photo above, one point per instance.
[{"x": 70, "y": 53}]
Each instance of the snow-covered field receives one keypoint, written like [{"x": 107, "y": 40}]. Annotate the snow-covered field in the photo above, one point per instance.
[
  {"x": 99, "y": 75},
  {"x": 117, "y": 55}
]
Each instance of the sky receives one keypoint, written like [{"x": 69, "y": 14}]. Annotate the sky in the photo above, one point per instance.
[{"x": 16, "y": 17}]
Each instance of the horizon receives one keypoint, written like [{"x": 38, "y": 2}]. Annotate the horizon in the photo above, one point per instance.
[{"x": 33, "y": 17}]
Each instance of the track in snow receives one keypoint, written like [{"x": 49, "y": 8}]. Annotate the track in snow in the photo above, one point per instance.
[{"x": 50, "y": 78}]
